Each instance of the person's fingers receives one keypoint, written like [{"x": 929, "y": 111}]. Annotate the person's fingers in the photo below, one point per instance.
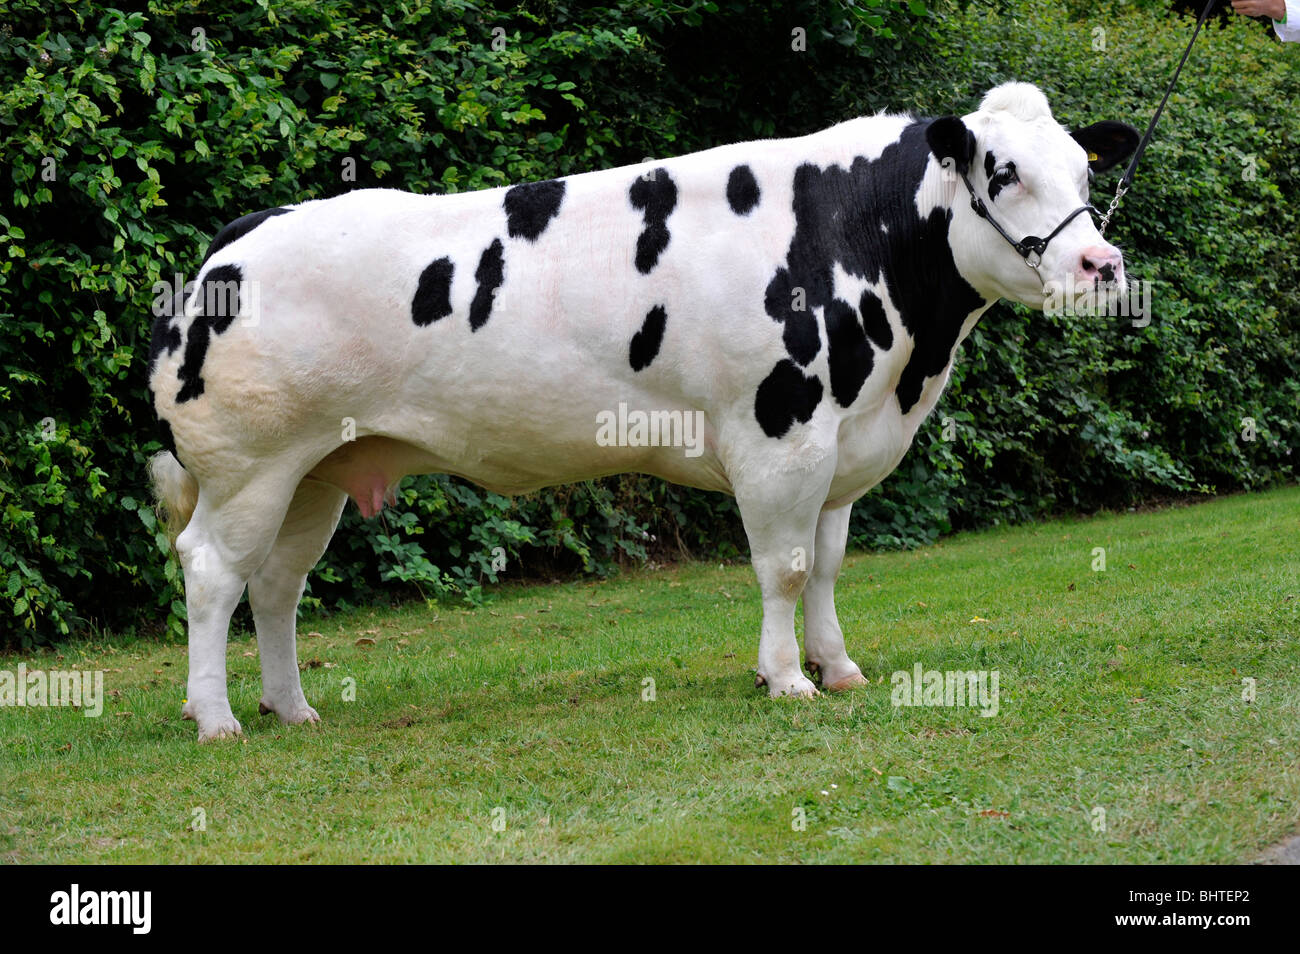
[
  {"x": 1259, "y": 8},
  {"x": 1249, "y": 8}
]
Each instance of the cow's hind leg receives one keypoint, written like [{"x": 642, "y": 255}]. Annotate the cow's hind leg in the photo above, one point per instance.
[
  {"x": 780, "y": 516},
  {"x": 275, "y": 589},
  {"x": 225, "y": 541},
  {"x": 823, "y": 640}
]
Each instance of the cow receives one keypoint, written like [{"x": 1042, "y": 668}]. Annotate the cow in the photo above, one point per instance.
[{"x": 800, "y": 300}]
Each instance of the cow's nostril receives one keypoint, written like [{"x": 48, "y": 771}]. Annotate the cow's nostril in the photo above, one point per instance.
[
  {"x": 1088, "y": 266},
  {"x": 1108, "y": 273}
]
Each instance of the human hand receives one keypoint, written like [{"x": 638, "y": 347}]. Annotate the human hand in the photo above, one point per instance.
[{"x": 1273, "y": 9}]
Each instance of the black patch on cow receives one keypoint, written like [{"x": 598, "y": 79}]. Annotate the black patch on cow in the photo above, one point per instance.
[
  {"x": 218, "y": 304},
  {"x": 864, "y": 220},
  {"x": 646, "y": 342},
  {"x": 849, "y": 354},
  {"x": 433, "y": 294},
  {"x": 742, "y": 190},
  {"x": 990, "y": 163},
  {"x": 531, "y": 206},
  {"x": 239, "y": 228},
  {"x": 220, "y": 291},
  {"x": 655, "y": 195},
  {"x": 489, "y": 275},
  {"x": 165, "y": 336},
  {"x": 801, "y": 337},
  {"x": 874, "y": 322},
  {"x": 786, "y": 396}
]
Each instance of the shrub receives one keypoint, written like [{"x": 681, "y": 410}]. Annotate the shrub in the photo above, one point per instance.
[
  {"x": 130, "y": 138},
  {"x": 1058, "y": 413}
]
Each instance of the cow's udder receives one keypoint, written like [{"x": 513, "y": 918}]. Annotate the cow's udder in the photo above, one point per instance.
[{"x": 369, "y": 469}]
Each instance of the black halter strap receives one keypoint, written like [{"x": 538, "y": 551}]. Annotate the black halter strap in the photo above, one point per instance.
[{"x": 1031, "y": 247}]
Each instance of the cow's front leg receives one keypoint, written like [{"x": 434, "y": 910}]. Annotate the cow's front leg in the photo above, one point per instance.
[
  {"x": 780, "y": 517},
  {"x": 823, "y": 639}
]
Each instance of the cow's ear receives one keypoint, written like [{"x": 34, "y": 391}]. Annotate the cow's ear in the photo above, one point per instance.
[
  {"x": 949, "y": 138},
  {"x": 1106, "y": 143}
]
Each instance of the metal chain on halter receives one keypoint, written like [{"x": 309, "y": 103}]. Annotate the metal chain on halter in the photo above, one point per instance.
[
  {"x": 1114, "y": 204},
  {"x": 1127, "y": 180}
]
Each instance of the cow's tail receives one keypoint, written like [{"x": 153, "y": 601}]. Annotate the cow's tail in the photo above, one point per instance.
[{"x": 176, "y": 492}]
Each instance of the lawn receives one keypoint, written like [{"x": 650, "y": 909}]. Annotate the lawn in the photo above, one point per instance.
[{"x": 523, "y": 731}]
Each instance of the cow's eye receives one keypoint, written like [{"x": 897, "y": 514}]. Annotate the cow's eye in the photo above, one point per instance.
[{"x": 1007, "y": 175}]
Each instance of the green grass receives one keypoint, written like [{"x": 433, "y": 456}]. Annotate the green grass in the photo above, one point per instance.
[{"x": 1120, "y": 689}]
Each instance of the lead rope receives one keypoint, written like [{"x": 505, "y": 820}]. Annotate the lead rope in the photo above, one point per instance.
[{"x": 1127, "y": 180}]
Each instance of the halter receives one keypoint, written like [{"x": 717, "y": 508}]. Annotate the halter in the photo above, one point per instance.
[{"x": 1031, "y": 247}]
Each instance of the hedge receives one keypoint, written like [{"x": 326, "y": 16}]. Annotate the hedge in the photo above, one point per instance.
[{"x": 130, "y": 138}]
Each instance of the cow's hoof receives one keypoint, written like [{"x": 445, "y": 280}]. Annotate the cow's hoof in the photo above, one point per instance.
[
  {"x": 759, "y": 681},
  {"x": 212, "y": 724},
  {"x": 836, "y": 677},
  {"x": 791, "y": 687},
  {"x": 226, "y": 729},
  {"x": 291, "y": 714},
  {"x": 844, "y": 683}
]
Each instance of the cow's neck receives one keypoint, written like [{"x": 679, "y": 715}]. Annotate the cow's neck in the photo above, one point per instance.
[{"x": 894, "y": 223}]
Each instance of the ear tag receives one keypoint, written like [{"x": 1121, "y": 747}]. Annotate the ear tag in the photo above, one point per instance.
[{"x": 1093, "y": 157}]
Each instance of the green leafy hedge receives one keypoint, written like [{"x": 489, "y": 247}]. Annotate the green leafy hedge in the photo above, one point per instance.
[
  {"x": 128, "y": 140},
  {"x": 1076, "y": 413}
]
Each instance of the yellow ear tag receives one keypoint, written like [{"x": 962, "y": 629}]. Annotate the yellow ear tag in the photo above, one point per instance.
[{"x": 1092, "y": 157}]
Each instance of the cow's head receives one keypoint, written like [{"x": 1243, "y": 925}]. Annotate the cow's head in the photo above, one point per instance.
[{"x": 1031, "y": 174}]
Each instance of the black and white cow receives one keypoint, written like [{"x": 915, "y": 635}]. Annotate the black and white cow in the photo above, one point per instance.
[{"x": 801, "y": 299}]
